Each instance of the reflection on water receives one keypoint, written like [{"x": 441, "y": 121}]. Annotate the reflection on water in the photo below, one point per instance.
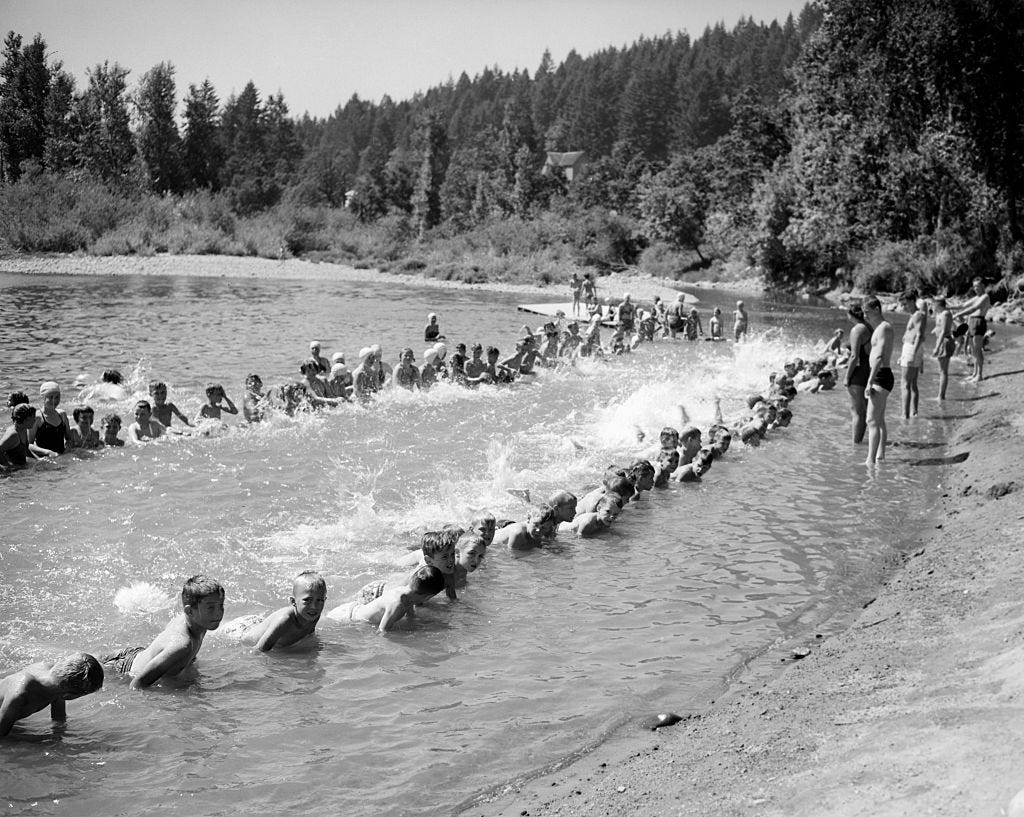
[{"x": 541, "y": 655}]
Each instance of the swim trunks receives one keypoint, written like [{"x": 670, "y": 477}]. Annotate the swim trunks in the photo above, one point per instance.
[
  {"x": 370, "y": 591},
  {"x": 884, "y": 380},
  {"x": 977, "y": 325},
  {"x": 908, "y": 357},
  {"x": 947, "y": 348},
  {"x": 122, "y": 661}
]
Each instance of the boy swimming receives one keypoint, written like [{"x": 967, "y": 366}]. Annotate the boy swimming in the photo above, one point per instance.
[
  {"x": 144, "y": 427},
  {"x": 395, "y": 603},
  {"x": 175, "y": 649},
  {"x": 540, "y": 524},
  {"x": 162, "y": 410},
  {"x": 291, "y": 624},
  {"x": 111, "y": 428},
  {"x": 44, "y": 685},
  {"x": 212, "y": 408}
]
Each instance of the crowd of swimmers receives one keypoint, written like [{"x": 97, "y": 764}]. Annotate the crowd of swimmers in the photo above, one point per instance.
[
  {"x": 48, "y": 432},
  {"x": 446, "y": 557},
  {"x": 442, "y": 563}
]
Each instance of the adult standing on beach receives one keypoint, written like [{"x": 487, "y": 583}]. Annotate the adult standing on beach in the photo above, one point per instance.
[
  {"x": 858, "y": 368},
  {"x": 945, "y": 343},
  {"x": 912, "y": 356},
  {"x": 880, "y": 379},
  {"x": 741, "y": 323},
  {"x": 976, "y": 310}
]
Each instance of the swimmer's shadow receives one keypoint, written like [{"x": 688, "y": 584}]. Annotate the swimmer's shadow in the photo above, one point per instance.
[
  {"x": 952, "y": 459},
  {"x": 1003, "y": 374},
  {"x": 914, "y": 444},
  {"x": 974, "y": 399}
]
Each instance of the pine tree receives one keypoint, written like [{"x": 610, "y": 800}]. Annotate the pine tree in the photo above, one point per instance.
[
  {"x": 106, "y": 147},
  {"x": 24, "y": 88},
  {"x": 159, "y": 142},
  {"x": 202, "y": 152}
]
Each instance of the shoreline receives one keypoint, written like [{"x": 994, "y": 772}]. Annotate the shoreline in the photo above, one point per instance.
[
  {"x": 910, "y": 709},
  {"x": 641, "y": 286}
]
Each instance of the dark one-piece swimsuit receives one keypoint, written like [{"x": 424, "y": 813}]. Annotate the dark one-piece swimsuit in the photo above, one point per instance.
[
  {"x": 51, "y": 437},
  {"x": 859, "y": 375}
]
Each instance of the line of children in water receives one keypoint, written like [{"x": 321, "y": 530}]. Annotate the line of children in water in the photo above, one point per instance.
[
  {"x": 328, "y": 383},
  {"x": 444, "y": 561}
]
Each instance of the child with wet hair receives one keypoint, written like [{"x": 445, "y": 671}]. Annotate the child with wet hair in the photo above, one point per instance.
[
  {"x": 111, "y": 428},
  {"x": 668, "y": 457},
  {"x": 395, "y": 603},
  {"x": 44, "y": 685},
  {"x": 83, "y": 435},
  {"x": 469, "y": 554},
  {"x": 164, "y": 411},
  {"x": 212, "y": 408},
  {"x": 693, "y": 471},
  {"x": 641, "y": 475},
  {"x": 291, "y": 624},
  {"x": 540, "y": 524}
]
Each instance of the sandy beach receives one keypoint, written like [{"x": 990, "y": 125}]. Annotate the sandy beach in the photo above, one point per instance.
[
  {"x": 641, "y": 287},
  {"x": 915, "y": 709}
]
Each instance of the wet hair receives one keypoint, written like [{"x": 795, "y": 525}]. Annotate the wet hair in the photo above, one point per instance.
[
  {"x": 22, "y": 413},
  {"x": 111, "y": 418},
  {"x": 784, "y": 417},
  {"x": 856, "y": 313},
  {"x": 77, "y": 674},
  {"x": 492, "y": 350},
  {"x": 80, "y": 410},
  {"x": 561, "y": 498},
  {"x": 543, "y": 514},
  {"x": 198, "y": 587},
  {"x": 668, "y": 434},
  {"x": 112, "y": 376},
  {"x": 427, "y": 581},
  {"x": 144, "y": 403},
  {"x": 754, "y": 399},
  {"x": 871, "y": 304},
  {"x": 638, "y": 469},
  {"x": 481, "y": 519},
  {"x": 620, "y": 485},
  {"x": 311, "y": 578},
  {"x": 689, "y": 433},
  {"x": 17, "y": 398},
  {"x": 434, "y": 542},
  {"x": 157, "y": 385},
  {"x": 451, "y": 527},
  {"x": 471, "y": 539},
  {"x": 477, "y": 346},
  {"x": 252, "y": 379},
  {"x": 213, "y": 388}
]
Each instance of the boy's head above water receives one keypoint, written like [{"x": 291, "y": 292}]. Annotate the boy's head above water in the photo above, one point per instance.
[
  {"x": 309, "y": 593},
  {"x": 426, "y": 582},
  {"x": 471, "y": 551},
  {"x": 202, "y": 599},
  {"x": 77, "y": 674},
  {"x": 439, "y": 548}
]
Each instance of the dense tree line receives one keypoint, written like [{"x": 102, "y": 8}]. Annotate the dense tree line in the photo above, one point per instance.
[{"x": 876, "y": 138}]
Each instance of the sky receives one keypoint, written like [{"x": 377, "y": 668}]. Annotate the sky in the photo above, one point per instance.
[{"x": 318, "y": 53}]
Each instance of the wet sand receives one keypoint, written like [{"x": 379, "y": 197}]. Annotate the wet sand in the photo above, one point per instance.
[{"x": 916, "y": 708}]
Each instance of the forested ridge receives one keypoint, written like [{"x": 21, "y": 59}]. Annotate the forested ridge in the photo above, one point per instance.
[{"x": 875, "y": 143}]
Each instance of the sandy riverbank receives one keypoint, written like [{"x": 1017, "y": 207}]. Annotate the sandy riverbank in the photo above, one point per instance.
[
  {"x": 917, "y": 708},
  {"x": 641, "y": 287}
]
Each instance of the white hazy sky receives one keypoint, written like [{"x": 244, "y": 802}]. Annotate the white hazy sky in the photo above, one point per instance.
[{"x": 320, "y": 52}]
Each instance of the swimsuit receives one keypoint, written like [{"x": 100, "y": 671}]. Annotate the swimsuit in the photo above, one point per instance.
[
  {"x": 859, "y": 375},
  {"x": 51, "y": 436},
  {"x": 122, "y": 661},
  {"x": 908, "y": 357},
  {"x": 884, "y": 379},
  {"x": 19, "y": 454},
  {"x": 369, "y": 592},
  {"x": 977, "y": 325},
  {"x": 431, "y": 332}
]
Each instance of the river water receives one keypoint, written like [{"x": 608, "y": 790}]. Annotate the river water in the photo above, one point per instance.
[{"x": 540, "y": 656}]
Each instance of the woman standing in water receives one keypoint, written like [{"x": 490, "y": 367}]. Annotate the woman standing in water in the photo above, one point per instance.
[
  {"x": 857, "y": 370},
  {"x": 944, "y": 342}
]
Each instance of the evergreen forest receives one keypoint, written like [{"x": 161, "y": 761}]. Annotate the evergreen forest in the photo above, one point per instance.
[{"x": 873, "y": 144}]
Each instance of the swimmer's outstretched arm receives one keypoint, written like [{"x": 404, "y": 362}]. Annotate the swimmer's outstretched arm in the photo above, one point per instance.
[
  {"x": 229, "y": 407},
  {"x": 683, "y": 415},
  {"x": 178, "y": 414},
  {"x": 718, "y": 411}
]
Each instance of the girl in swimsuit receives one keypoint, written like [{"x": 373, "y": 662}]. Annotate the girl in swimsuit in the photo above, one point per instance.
[
  {"x": 53, "y": 431},
  {"x": 857, "y": 370},
  {"x": 14, "y": 450}
]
